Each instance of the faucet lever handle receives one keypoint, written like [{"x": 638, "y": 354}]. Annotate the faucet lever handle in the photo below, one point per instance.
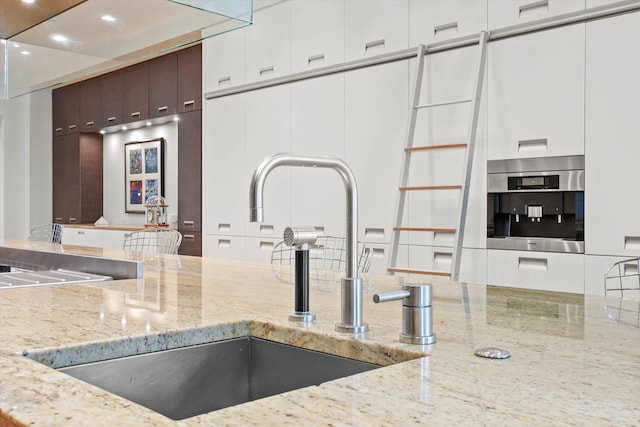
[{"x": 391, "y": 296}]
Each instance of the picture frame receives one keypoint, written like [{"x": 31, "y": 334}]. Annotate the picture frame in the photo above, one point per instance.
[{"x": 143, "y": 173}]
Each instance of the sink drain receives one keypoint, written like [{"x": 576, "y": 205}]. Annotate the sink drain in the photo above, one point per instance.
[{"x": 492, "y": 353}]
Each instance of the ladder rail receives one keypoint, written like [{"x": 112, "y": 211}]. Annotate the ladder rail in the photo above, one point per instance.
[
  {"x": 406, "y": 157},
  {"x": 472, "y": 133}
]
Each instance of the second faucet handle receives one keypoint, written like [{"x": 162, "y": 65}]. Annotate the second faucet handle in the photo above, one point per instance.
[{"x": 417, "y": 316}]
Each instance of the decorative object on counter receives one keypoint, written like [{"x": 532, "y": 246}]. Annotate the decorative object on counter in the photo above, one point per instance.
[
  {"x": 144, "y": 173},
  {"x": 492, "y": 353},
  {"x": 301, "y": 238},
  {"x": 101, "y": 221},
  {"x": 417, "y": 317},
  {"x": 156, "y": 212},
  {"x": 51, "y": 233},
  {"x": 351, "y": 286},
  {"x": 622, "y": 291},
  {"x": 326, "y": 260},
  {"x": 154, "y": 240}
]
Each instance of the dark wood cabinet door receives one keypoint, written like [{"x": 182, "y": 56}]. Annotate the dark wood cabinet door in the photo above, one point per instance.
[
  {"x": 190, "y": 79},
  {"x": 191, "y": 244},
  {"x": 135, "y": 84},
  {"x": 163, "y": 91},
  {"x": 71, "y": 178},
  {"x": 190, "y": 172},
  {"x": 111, "y": 99},
  {"x": 66, "y": 109},
  {"x": 91, "y": 177},
  {"x": 90, "y": 105},
  {"x": 58, "y": 181}
]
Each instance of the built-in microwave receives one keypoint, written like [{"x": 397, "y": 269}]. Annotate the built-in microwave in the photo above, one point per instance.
[{"x": 536, "y": 204}]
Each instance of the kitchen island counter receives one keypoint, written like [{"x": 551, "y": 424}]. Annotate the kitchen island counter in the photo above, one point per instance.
[{"x": 570, "y": 364}]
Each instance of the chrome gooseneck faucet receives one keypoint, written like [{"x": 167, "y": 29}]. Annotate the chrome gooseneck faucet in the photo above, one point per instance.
[{"x": 351, "y": 284}]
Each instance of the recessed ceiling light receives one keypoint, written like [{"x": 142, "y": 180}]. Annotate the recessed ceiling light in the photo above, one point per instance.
[
  {"x": 102, "y": 132},
  {"x": 108, "y": 18},
  {"x": 25, "y": 52},
  {"x": 16, "y": 45},
  {"x": 28, "y": 1},
  {"x": 124, "y": 128},
  {"x": 59, "y": 38},
  {"x": 176, "y": 118},
  {"x": 148, "y": 123}
]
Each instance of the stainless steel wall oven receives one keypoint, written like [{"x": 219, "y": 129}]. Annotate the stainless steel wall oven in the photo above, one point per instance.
[{"x": 536, "y": 204}]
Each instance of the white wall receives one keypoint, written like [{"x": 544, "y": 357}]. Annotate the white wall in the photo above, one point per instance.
[
  {"x": 113, "y": 163},
  {"x": 40, "y": 152}
]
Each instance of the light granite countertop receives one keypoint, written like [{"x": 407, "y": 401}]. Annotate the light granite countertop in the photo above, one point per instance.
[{"x": 570, "y": 363}]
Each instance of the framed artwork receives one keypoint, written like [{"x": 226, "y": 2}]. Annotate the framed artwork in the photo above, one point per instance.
[{"x": 143, "y": 173}]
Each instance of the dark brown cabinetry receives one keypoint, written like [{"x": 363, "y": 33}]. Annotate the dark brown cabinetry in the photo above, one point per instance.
[
  {"x": 90, "y": 105},
  {"x": 77, "y": 178},
  {"x": 163, "y": 85},
  {"x": 135, "y": 83},
  {"x": 190, "y": 79},
  {"x": 111, "y": 99},
  {"x": 190, "y": 182},
  {"x": 66, "y": 109}
]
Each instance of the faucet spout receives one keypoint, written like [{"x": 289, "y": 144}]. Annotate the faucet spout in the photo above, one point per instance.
[{"x": 351, "y": 284}]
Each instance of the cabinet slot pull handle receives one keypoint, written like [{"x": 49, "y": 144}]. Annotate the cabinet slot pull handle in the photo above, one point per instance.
[
  {"x": 189, "y": 103},
  {"x": 540, "y": 144},
  {"x": 72, "y": 127},
  {"x": 89, "y": 124},
  {"x": 533, "y": 264},
  {"x": 375, "y": 43},
  {"x": 189, "y": 237},
  {"x": 72, "y": 220},
  {"x": 224, "y": 243},
  {"x": 225, "y": 228},
  {"x": 135, "y": 115},
  {"x": 266, "y": 246},
  {"x": 267, "y": 229},
  {"x": 534, "y": 5},
  {"x": 374, "y": 233},
  {"x": 444, "y": 27},
  {"x": 632, "y": 242},
  {"x": 224, "y": 79},
  {"x": 163, "y": 109},
  {"x": 187, "y": 223},
  {"x": 319, "y": 57},
  {"x": 111, "y": 119},
  {"x": 80, "y": 233},
  {"x": 58, "y": 220},
  {"x": 58, "y": 129},
  {"x": 266, "y": 70}
]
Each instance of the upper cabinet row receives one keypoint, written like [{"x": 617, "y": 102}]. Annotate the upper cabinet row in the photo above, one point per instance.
[
  {"x": 159, "y": 87},
  {"x": 293, "y": 36}
]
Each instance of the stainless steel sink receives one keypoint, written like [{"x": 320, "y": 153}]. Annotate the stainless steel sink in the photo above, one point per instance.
[{"x": 189, "y": 381}]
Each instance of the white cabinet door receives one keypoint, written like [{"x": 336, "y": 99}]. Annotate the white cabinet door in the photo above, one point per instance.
[
  {"x": 267, "y": 132},
  {"x": 376, "y": 106},
  {"x": 224, "y": 247},
  {"x": 436, "y": 20},
  {"x": 612, "y": 127},
  {"x": 595, "y": 268},
  {"x": 258, "y": 249},
  {"x": 473, "y": 264},
  {"x": 374, "y": 27},
  {"x": 536, "y": 94},
  {"x": 223, "y": 60},
  {"x": 503, "y": 13},
  {"x": 544, "y": 271},
  {"x": 449, "y": 76},
  {"x": 317, "y": 34},
  {"x": 317, "y": 127},
  {"x": 113, "y": 239},
  {"x": 225, "y": 184},
  {"x": 83, "y": 237},
  {"x": 268, "y": 43}
]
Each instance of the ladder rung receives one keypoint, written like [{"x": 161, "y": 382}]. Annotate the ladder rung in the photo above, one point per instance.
[
  {"x": 414, "y": 271},
  {"x": 440, "y": 104},
  {"x": 435, "y": 147},
  {"x": 433, "y": 229},
  {"x": 432, "y": 187}
]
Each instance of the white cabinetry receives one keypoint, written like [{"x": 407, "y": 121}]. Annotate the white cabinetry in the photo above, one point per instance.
[
  {"x": 374, "y": 27},
  {"x": 223, "y": 60},
  {"x": 536, "y": 94},
  {"x": 503, "y": 13},
  {"x": 376, "y": 108},
  {"x": 268, "y": 131},
  {"x": 83, "y": 237},
  {"x": 268, "y": 43},
  {"x": 224, "y": 176},
  {"x": 611, "y": 141},
  {"x": 317, "y": 127},
  {"x": 317, "y": 33},
  {"x": 224, "y": 246},
  {"x": 595, "y": 267},
  {"x": 545, "y": 271},
  {"x": 435, "y": 20},
  {"x": 473, "y": 264}
]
